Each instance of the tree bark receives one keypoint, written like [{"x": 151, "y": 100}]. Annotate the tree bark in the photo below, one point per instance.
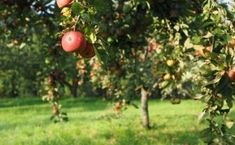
[
  {"x": 144, "y": 107},
  {"x": 14, "y": 90},
  {"x": 74, "y": 88}
]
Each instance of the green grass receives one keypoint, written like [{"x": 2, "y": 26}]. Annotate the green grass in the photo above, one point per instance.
[{"x": 26, "y": 122}]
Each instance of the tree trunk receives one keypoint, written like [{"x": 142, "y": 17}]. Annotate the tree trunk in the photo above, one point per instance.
[
  {"x": 74, "y": 87},
  {"x": 14, "y": 90},
  {"x": 144, "y": 107},
  {"x": 74, "y": 90}
]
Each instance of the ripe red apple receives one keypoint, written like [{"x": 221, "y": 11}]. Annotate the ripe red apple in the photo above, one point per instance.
[
  {"x": 88, "y": 52},
  {"x": 73, "y": 41},
  {"x": 63, "y": 3},
  {"x": 231, "y": 74}
]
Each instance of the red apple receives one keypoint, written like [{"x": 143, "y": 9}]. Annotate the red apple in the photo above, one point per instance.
[
  {"x": 63, "y": 3},
  {"x": 231, "y": 74},
  {"x": 73, "y": 41},
  {"x": 88, "y": 52}
]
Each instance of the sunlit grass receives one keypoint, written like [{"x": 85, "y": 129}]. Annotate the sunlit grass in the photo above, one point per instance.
[{"x": 26, "y": 122}]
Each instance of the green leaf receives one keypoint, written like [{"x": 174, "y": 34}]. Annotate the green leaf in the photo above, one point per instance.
[
  {"x": 188, "y": 43},
  {"x": 208, "y": 35},
  {"x": 176, "y": 27},
  {"x": 229, "y": 102},
  {"x": 196, "y": 39},
  {"x": 185, "y": 32},
  {"x": 102, "y": 56},
  {"x": 206, "y": 135},
  {"x": 207, "y": 24},
  {"x": 223, "y": 86},
  {"x": 75, "y": 8},
  {"x": 201, "y": 116},
  {"x": 229, "y": 123},
  {"x": 218, "y": 32},
  {"x": 93, "y": 37}
]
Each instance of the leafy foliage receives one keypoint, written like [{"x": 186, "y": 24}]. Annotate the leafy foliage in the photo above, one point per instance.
[{"x": 179, "y": 48}]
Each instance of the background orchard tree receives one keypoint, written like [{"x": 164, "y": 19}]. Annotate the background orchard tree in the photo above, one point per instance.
[
  {"x": 31, "y": 52},
  {"x": 20, "y": 19}
]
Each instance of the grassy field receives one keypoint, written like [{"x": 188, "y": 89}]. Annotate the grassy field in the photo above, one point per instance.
[{"x": 26, "y": 122}]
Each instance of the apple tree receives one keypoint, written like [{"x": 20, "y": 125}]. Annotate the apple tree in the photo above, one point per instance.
[{"x": 182, "y": 33}]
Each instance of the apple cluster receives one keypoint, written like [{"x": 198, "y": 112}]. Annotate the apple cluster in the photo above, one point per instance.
[{"x": 74, "y": 41}]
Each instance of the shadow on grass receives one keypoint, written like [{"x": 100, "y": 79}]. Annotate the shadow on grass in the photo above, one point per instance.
[
  {"x": 20, "y": 102},
  {"x": 186, "y": 138},
  {"x": 159, "y": 134},
  {"x": 129, "y": 136},
  {"x": 88, "y": 104}
]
